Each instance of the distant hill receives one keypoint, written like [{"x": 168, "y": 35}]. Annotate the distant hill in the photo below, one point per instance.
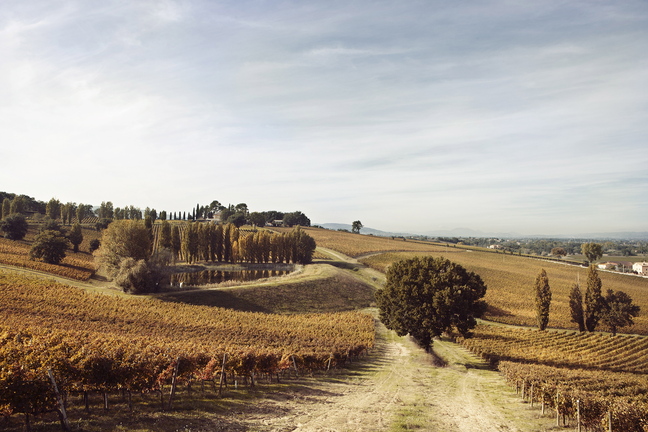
[
  {"x": 467, "y": 232},
  {"x": 364, "y": 230}
]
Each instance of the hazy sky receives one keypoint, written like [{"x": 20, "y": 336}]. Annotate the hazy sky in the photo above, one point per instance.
[{"x": 407, "y": 115}]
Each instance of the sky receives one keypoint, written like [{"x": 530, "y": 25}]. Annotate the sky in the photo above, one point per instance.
[{"x": 410, "y": 116}]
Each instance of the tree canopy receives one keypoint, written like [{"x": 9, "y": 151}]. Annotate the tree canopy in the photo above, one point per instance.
[
  {"x": 619, "y": 310},
  {"x": 50, "y": 246},
  {"x": 592, "y": 251},
  {"x": 123, "y": 239},
  {"x": 14, "y": 226},
  {"x": 76, "y": 236},
  {"x": 356, "y": 226},
  {"x": 296, "y": 218},
  {"x": 426, "y": 296}
]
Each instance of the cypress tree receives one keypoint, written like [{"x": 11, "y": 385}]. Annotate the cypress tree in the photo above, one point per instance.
[
  {"x": 542, "y": 299},
  {"x": 594, "y": 302},
  {"x": 76, "y": 236},
  {"x": 576, "y": 307}
]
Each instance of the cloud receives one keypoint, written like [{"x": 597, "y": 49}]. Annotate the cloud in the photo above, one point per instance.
[{"x": 526, "y": 117}]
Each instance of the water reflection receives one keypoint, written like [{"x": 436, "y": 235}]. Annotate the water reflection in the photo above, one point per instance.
[{"x": 207, "y": 277}]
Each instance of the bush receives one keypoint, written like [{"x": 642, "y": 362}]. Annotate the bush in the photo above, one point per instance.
[
  {"x": 134, "y": 276},
  {"x": 94, "y": 245},
  {"x": 14, "y": 226},
  {"x": 50, "y": 246}
]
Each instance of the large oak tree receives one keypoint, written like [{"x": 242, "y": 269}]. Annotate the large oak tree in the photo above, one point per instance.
[{"x": 428, "y": 296}]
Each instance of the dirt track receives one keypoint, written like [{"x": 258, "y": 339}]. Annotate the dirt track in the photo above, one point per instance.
[{"x": 398, "y": 388}]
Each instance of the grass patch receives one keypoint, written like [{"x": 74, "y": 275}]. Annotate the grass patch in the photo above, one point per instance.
[{"x": 332, "y": 290}]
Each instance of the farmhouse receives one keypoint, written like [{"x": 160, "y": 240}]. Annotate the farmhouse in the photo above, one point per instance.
[
  {"x": 620, "y": 266},
  {"x": 641, "y": 268}
]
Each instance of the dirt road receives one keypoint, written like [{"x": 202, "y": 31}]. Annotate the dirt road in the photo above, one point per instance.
[{"x": 398, "y": 388}]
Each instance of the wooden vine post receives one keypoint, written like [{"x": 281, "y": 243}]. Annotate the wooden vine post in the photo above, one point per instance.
[
  {"x": 532, "y": 395},
  {"x": 578, "y": 415},
  {"x": 65, "y": 424},
  {"x": 173, "y": 383},
  {"x": 223, "y": 377}
]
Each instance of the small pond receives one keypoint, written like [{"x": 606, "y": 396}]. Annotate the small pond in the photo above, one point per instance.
[{"x": 207, "y": 277}]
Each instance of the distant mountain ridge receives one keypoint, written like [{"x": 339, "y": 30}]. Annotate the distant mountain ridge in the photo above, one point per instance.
[
  {"x": 364, "y": 230},
  {"x": 467, "y": 232}
]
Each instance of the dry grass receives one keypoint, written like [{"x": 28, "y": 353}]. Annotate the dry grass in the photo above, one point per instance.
[{"x": 331, "y": 290}]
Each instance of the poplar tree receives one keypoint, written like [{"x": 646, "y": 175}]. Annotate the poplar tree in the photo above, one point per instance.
[
  {"x": 53, "y": 209},
  {"x": 542, "y": 299},
  {"x": 190, "y": 243},
  {"x": 176, "y": 242},
  {"x": 17, "y": 205},
  {"x": 165, "y": 235},
  {"x": 6, "y": 208},
  {"x": 234, "y": 238},
  {"x": 594, "y": 303},
  {"x": 81, "y": 212},
  {"x": 218, "y": 242},
  {"x": 227, "y": 243}
]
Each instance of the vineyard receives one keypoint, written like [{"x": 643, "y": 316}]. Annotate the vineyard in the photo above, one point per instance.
[
  {"x": 510, "y": 280},
  {"x": 355, "y": 245},
  {"x": 597, "y": 378},
  {"x": 109, "y": 344},
  {"x": 77, "y": 266},
  {"x": 561, "y": 348}
]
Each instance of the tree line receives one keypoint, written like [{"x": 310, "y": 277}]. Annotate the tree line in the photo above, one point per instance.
[
  {"x": 238, "y": 214},
  {"x": 615, "y": 309},
  {"x": 127, "y": 249}
]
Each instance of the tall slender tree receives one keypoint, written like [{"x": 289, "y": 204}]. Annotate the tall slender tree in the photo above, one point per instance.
[
  {"x": 17, "y": 205},
  {"x": 594, "y": 303},
  {"x": 218, "y": 243},
  {"x": 6, "y": 208},
  {"x": 165, "y": 235},
  {"x": 53, "y": 209},
  {"x": 576, "y": 307},
  {"x": 542, "y": 299},
  {"x": 176, "y": 241}
]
